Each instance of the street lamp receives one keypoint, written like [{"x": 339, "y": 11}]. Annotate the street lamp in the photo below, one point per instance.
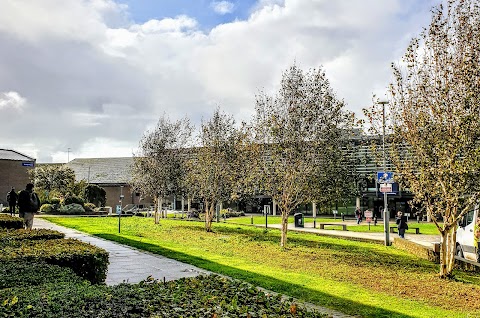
[
  {"x": 386, "y": 217},
  {"x": 120, "y": 212}
]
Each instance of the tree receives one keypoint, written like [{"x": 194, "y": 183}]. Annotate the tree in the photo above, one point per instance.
[
  {"x": 435, "y": 116},
  {"x": 95, "y": 194},
  {"x": 211, "y": 169},
  {"x": 301, "y": 128},
  {"x": 159, "y": 165},
  {"x": 53, "y": 178}
]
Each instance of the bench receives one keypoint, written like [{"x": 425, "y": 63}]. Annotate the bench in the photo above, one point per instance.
[
  {"x": 393, "y": 229},
  {"x": 322, "y": 225}
]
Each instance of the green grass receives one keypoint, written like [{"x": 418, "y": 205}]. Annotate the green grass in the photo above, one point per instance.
[{"x": 368, "y": 280}]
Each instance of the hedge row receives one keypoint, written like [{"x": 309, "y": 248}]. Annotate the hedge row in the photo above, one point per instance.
[
  {"x": 22, "y": 234},
  {"x": 203, "y": 296},
  {"x": 10, "y": 222},
  {"x": 87, "y": 261},
  {"x": 21, "y": 273}
]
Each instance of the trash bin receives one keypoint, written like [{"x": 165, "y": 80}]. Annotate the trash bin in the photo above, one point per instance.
[{"x": 298, "y": 217}]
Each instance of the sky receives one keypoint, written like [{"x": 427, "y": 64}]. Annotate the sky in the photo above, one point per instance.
[{"x": 88, "y": 78}]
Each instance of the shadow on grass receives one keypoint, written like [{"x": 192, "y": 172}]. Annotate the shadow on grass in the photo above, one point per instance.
[{"x": 298, "y": 291}]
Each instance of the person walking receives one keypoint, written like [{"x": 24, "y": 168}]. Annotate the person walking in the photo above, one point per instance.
[
  {"x": 358, "y": 215},
  {"x": 401, "y": 224},
  {"x": 12, "y": 198},
  {"x": 28, "y": 204}
]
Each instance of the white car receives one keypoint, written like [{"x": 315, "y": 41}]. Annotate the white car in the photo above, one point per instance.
[{"x": 465, "y": 236}]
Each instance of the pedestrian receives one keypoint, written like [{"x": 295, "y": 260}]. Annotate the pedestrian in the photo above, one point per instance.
[
  {"x": 28, "y": 204},
  {"x": 401, "y": 224},
  {"x": 358, "y": 215},
  {"x": 12, "y": 198}
]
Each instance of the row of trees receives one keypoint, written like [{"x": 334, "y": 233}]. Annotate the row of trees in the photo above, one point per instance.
[{"x": 293, "y": 150}]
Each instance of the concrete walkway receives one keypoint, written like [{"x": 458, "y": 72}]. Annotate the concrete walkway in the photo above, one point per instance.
[{"x": 128, "y": 264}]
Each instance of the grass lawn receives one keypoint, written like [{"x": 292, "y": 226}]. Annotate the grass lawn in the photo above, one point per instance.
[
  {"x": 364, "y": 279},
  {"x": 425, "y": 228}
]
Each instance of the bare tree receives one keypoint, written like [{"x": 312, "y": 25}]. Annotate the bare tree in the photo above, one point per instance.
[
  {"x": 301, "y": 128},
  {"x": 159, "y": 165},
  {"x": 435, "y": 113}
]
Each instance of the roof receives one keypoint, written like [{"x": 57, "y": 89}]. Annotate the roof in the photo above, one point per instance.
[
  {"x": 102, "y": 170},
  {"x": 8, "y": 154}
]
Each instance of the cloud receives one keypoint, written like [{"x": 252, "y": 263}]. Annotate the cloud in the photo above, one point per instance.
[
  {"x": 222, "y": 7},
  {"x": 12, "y": 100},
  {"x": 90, "y": 79}
]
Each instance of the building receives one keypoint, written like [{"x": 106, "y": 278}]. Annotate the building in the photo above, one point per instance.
[{"x": 14, "y": 167}]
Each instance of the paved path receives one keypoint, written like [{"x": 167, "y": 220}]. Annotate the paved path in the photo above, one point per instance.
[{"x": 128, "y": 264}]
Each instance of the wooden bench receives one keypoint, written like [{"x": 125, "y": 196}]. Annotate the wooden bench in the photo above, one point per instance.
[
  {"x": 322, "y": 225},
  {"x": 393, "y": 229}
]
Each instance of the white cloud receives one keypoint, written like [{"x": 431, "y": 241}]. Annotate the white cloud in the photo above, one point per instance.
[
  {"x": 222, "y": 7},
  {"x": 93, "y": 81},
  {"x": 12, "y": 100}
]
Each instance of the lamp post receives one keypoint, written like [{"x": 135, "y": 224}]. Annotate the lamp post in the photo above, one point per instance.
[
  {"x": 386, "y": 216},
  {"x": 120, "y": 201}
]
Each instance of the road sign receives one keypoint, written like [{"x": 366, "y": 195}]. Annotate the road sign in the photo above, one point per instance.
[
  {"x": 119, "y": 209},
  {"x": 27, "y": 164},
  {"x": 368, "y": 214},
  {"x": 385, "y": 177},
  {"x": 386, "y": 187}
]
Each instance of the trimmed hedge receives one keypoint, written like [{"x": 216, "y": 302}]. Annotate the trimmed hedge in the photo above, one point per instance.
[
  {"x": 202, "y": 297},
  {"x": 10, "y": 222},
  {"x": 35, "y": 234},
  {"x": 21, "y": 273},
  {"x": 86, "y": 260}
]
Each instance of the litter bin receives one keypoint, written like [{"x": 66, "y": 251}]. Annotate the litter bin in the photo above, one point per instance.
[{"x": 298, "y": 217}]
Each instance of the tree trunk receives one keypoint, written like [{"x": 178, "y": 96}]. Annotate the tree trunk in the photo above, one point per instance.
[
  {"x": 447, "y": 252},
  {"x": 209, "y": 209},
  {"x": 189, "y": 203},
  {"x": 283, "y": 240}
]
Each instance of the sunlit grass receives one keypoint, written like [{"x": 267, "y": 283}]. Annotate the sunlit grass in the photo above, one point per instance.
[{"x": 363, "y": 279}]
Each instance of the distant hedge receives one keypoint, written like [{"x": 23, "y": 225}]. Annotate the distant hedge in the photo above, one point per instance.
[
  {"x": 10, "y": 222},
  {"x": 35, "y": 234},
  {"x": 87, "y": 261}
]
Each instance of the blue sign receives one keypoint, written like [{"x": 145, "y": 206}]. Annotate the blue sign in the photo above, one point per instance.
[
  {"x": 119, "y": 209},
  {"x": 27, "y": 164},
  {"x": 385, "y": 177}
]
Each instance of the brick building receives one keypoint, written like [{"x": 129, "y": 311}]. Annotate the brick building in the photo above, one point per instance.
[{"x": 14, "y": 167}]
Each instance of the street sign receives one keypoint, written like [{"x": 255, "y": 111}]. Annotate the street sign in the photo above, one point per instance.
[
  {"x": 119, "y": 209},
  {"x": 368, "y": 214},
  {"x": 386, "y": 187},
  {"x": 266, "y": 209},
  {"x": 385, "y": 177},
  {"x": 27, "y": 164}
]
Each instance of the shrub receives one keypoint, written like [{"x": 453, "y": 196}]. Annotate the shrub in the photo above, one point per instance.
[
  {"x": 46, "y": 208},
  {"x": 72, "y": 209},
  {"x": 6, "y": 210},
  {"x": 35, "y": 234},
  {"x": 54, "y": 201},
  {"x": 202, "y": 297},
  {"x": 87, "y": 261},
  {"x": 18, "y": 273},
  {"x": 89, "y": 207},
  {"x": 10, "y": 222},
  {"x": 73, "y": 199},
  {"x": 95, "y": 194}
]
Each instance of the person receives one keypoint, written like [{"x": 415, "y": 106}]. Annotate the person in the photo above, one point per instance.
[
  {"x": 12, "y": 198},
  {"x": 401, "y": 224},
  {"x": 28, "y": 204},
  {"x": 358, "y": 215}
]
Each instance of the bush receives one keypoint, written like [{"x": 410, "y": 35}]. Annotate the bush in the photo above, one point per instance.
[
  {"x": 46, "y": 208},
  {"x": 71, "y": 199},
  {"x": 18, "y": 273},
  {"x": 54, "y": 201},
  {"x": 10, "y": 222},
  {"x": 228, "y": 213},
  {"x": 35, "y": 234},
  {"x": 72, "y": 209},
  {"x": 89, "y": 207},
  {"x": 201, "y": 297},
  {"x": 87, "y": 261}
]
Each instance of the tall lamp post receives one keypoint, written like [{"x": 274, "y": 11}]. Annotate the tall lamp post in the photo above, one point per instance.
[{"x": 386, "y": 216}]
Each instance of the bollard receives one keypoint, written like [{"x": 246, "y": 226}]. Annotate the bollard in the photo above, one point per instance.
[
  {"x": 251, "y": 219},
  {"x": 314, "y": 222}
]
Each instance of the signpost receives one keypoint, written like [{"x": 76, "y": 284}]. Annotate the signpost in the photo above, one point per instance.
[
  {"x": 386, "y": 179},
  {"x": 369, "y": 216},
  {"x": 266, "y": 211}
]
